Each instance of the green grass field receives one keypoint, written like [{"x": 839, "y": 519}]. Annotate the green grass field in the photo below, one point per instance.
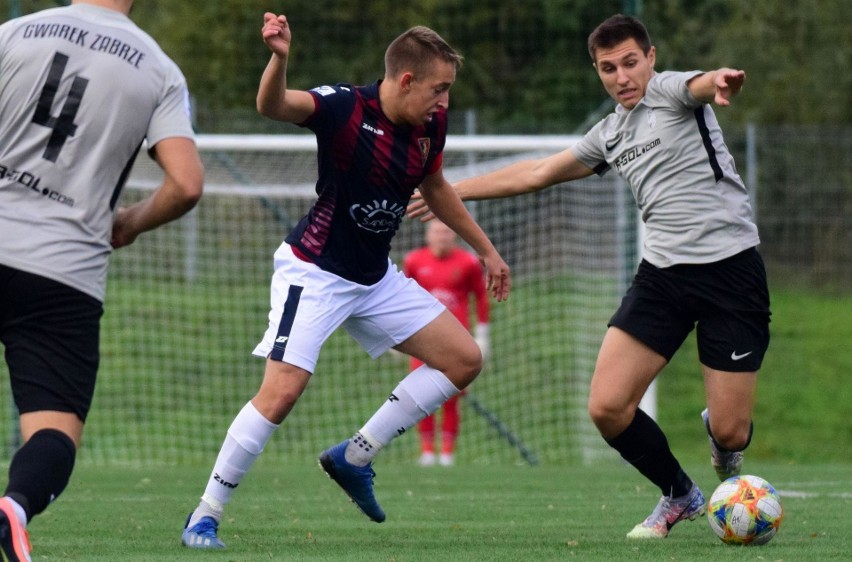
[
  {"x": 179, "y": 358},
  {"x": 464, "y": 513},
  {"x": 478, "y": 510},
  {"x": 802, "y": 410}
]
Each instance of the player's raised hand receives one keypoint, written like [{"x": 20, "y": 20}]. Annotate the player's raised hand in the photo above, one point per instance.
[
  {"x": 276, "y": 33},
  {"x": 497, "y": 277},
  {"x": 417, "y": 208},
  {"x": 728, "y": 84}
]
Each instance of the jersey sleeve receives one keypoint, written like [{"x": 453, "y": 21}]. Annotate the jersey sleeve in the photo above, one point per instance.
[
  {"x": 670, "y": 88},
  {"x": 590, "y": 150},
  {"x": 331, "y": 105},
  {"x": 437, "y": 164},
  {"x": 172, "y": 116}
]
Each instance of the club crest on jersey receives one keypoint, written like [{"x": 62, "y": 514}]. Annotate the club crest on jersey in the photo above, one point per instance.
[
  {"x": 652, "y": 118},
  {"x": 425, "y": 144}
]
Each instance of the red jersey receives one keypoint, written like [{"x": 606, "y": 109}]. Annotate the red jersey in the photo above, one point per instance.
[{"x": 452, "y": 280}]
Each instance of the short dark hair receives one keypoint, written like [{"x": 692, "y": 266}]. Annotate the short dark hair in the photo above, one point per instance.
[
  {"x": 416, "y": 50},
  {"x": 617, "y": 29}
]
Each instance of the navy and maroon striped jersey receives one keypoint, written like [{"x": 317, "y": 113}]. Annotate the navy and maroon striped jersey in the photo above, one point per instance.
[{"x": 368, "y": 169}]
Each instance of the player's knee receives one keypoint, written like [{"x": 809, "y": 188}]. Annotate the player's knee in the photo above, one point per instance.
[
  {"x": 467, "y": 367},
  {"x": 608, "y": 417},
  {"x": 275, "y": 406},
  {"x": 733, "y": 437},
  {"x": 475, "y": 360},
  {"x": 600, "y": 413}
]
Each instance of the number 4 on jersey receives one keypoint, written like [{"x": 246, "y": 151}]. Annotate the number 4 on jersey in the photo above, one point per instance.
[{"x": 63, "y": 126}]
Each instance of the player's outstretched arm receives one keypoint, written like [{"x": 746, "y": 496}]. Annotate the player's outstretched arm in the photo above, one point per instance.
[
  {"x": 717, "y": 86},
  {"x": 181, "y": 189},
  {"x": 274, "y": 100},
  {"x": 526, "y": 176},
  {"x": 447, "y": 206}
]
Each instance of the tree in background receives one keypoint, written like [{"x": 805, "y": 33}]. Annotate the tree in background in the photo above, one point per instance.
[{"x": 526, "y": 70}]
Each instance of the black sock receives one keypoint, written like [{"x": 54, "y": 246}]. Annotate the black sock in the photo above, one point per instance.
[
  {"x": 40, "y": 470},
  {"x": 644, "y": 445}
]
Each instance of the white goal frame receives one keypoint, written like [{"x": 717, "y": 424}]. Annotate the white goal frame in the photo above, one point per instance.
[{"x": 177, "y": 367}]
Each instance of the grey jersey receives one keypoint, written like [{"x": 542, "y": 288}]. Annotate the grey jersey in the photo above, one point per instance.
[
  {"x": 669, "y": 148},
  {"x": 81, "y": 87}
]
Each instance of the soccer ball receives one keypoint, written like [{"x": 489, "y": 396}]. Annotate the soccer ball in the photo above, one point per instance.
[{"x": 745, "y": 510}]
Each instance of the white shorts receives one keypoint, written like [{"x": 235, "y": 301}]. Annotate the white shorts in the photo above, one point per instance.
[{"x": 308, "y": 304}]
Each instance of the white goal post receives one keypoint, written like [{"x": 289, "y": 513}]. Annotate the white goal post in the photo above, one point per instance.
[{"x": 187, "y": 303}]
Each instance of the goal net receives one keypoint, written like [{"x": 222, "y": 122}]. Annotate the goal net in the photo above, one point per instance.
[{"x": 187, "y": 303}]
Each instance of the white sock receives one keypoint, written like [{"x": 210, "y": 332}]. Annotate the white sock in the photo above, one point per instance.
[
  {"x": 362, "y": 448},
  {"x": 417, "y": 395},
  {"x": 247, "y": 436},
  {"x": 207, "y": 507}
]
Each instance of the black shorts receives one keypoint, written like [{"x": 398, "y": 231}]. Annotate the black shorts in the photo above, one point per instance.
[
  {"x": 51, "y": 334},
  {"x": 728, "y": 301}
]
